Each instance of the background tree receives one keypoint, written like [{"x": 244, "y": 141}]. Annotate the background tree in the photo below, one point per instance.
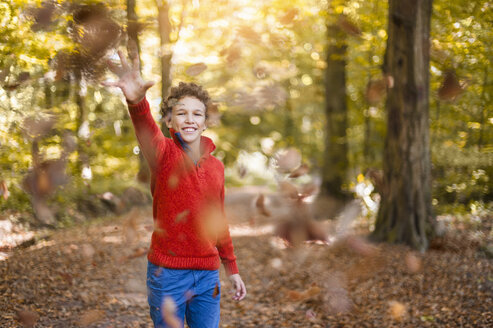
[{"x": 405, "y": 214}]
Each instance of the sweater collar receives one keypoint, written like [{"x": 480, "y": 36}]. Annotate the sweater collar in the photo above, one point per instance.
[{"x": 206, "y": 144}]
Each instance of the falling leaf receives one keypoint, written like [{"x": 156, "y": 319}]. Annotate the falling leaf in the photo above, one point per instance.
[
  {"x": 272, "y": 95},
  {"x": 27, "y": 318},
  {"x": 361, "y": 246},
  {"x": 397, "y": 310},
  {"x": 413, "y": 263},
  {"x": 311, "y": 292},
  {"x": 138, "y": 252},
  {"x": 169, "y": 313},
  {"x": 300, "y": 171},
  {"x": 87, "y": 251},
  {"x": 375, "y": 91},
  {"x": 308, "y": 189},
  {"x": 288, "y": 160},
  {"x": 289, "y": 16},
  {"x": 38, "y": 126},
  {"x": 450, "y": 88},
  {"x": 260, "y": 204},
  {"x": 216, "y": 291},
  {"x": 276, "y": 263},
  {"x": 348, "y": 26},
  {"x": 173, "y": 181},
  {"x": 4, "y": 191},
  {"x": 196, "y": 69},
  {"x": 130, "y": 226},
  {"x": 182, "y": 216},
  {"x": 90, "y": 317},
  {"x": 242, "y": 171},
  {"x": 249, "y": 34},
  {"x": 288, "y": 190}
]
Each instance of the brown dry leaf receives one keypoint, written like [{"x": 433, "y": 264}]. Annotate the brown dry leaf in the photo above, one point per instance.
[
  {"x": 38, "y": 126},
  {"x": 130, "y": 226},
  {"x": 375, "y": 91},
  {"x": 90, "y": 317},
  {"x": 348, "y": 26},
  {"x": 300, "y": 171},
  {"x": 413, "y": 263},
  {"x": 249, "y": 34},
  {"x": 288, "y": 190},
  {"x": 242, "y": 171},
  {"x": 182, "y": 216},
  {"x": 173, "y": 181},
  {"x": 361, "y": 246},
  {"x": 169, "y": 313},
  {"x": 140, "y": 251},
  {"x": 311, "y": 292},
  {"x": 87, "y": 251},
  {"x": 27, "y": 318},
  {"x": 288, "y": 160},
  {"x": 196, "y": 69},
  {"x": 397, "y": 310},
  {"x": 4, "y": 191},
  {"x": 308, "y": 189},
  {"x": 289, "y": 16},
  {"x": 260, "y": 204},
  {"x": 216, "y": 291},
  {"x": 450, "y": 88},
  {"x": 212, "y": 225}
]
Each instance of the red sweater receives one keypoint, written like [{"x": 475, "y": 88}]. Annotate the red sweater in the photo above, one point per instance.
[{"x": 190, "y": 228}]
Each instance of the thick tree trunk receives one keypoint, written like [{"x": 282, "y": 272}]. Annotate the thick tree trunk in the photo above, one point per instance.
[
  {"x": 166, "y": 53},
  {"x": 405, "y": 214},
  {"x": 132, "y": 30},
  {"x": 336, "y": 157}
]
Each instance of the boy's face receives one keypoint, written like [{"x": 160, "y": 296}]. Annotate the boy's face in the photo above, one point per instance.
[{"x": 188, "y": 118}]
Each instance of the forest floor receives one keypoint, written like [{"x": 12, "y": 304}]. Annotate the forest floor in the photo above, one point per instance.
[{"x": 94, "y": 276}]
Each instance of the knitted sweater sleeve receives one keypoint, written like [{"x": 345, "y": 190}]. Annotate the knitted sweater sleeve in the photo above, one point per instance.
[
  {"x": 150, "y": 137},
  {"x": 225, "y": 244}
]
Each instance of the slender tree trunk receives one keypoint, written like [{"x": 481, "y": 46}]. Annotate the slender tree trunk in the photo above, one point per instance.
[
  {"x": 405, "y": 214},
  {"x": 483, "y": 109},
  {"x": 132, "y": 30},
  {"x": 165, "y": 53},
  {"x": 336, "y": 158}
]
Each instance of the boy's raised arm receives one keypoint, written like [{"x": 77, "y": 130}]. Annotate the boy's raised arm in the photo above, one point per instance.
[{"x": 150, "y": 137}]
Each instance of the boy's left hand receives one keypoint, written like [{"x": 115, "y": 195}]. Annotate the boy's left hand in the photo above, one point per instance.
[{"x": 238, "y": 287}]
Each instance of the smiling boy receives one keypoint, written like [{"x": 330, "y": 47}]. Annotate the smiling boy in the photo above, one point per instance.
[{"x": 191, "y": 236}]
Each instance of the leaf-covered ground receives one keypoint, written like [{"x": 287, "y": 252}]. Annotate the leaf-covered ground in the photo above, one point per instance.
[{"x": 94, "y": 276}]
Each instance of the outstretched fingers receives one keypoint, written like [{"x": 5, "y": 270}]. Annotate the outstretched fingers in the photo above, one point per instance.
[
  {"x": 111, "y": 83},
  {"x": 124, "y": 61},
  {"x": 117, "y": 70}
]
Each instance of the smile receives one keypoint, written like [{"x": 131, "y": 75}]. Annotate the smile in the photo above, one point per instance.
[{"x": 189, "y": 129}]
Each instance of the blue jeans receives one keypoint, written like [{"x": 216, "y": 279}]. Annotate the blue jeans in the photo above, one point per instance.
[{"x": 196, "y": 294}]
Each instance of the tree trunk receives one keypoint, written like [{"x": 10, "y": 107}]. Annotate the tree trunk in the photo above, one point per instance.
[
  {"x": 165, "y": 53},
  {"x": 336, "y": 158},
  {"x": 143, "y": 175},
  {"x": 405, "y": 213}
]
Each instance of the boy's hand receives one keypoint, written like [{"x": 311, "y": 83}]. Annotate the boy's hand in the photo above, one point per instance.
[
  {"x": 238, "y": 287},
  {"x": 130, "y": 81}
]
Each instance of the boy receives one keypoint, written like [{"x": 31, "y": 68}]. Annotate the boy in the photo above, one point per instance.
[{"x": 191, "y": 234}]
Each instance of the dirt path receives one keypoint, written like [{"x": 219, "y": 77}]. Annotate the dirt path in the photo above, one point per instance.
[{"x": 95, "y": 276}]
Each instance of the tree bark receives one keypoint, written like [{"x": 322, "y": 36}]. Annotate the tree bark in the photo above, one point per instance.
[
  {"x": 165, "y": 53},
  {"x": 405, "y": 213},
  {"x": 336, "y": 148},
  {"x": 144, "y": 174}
]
